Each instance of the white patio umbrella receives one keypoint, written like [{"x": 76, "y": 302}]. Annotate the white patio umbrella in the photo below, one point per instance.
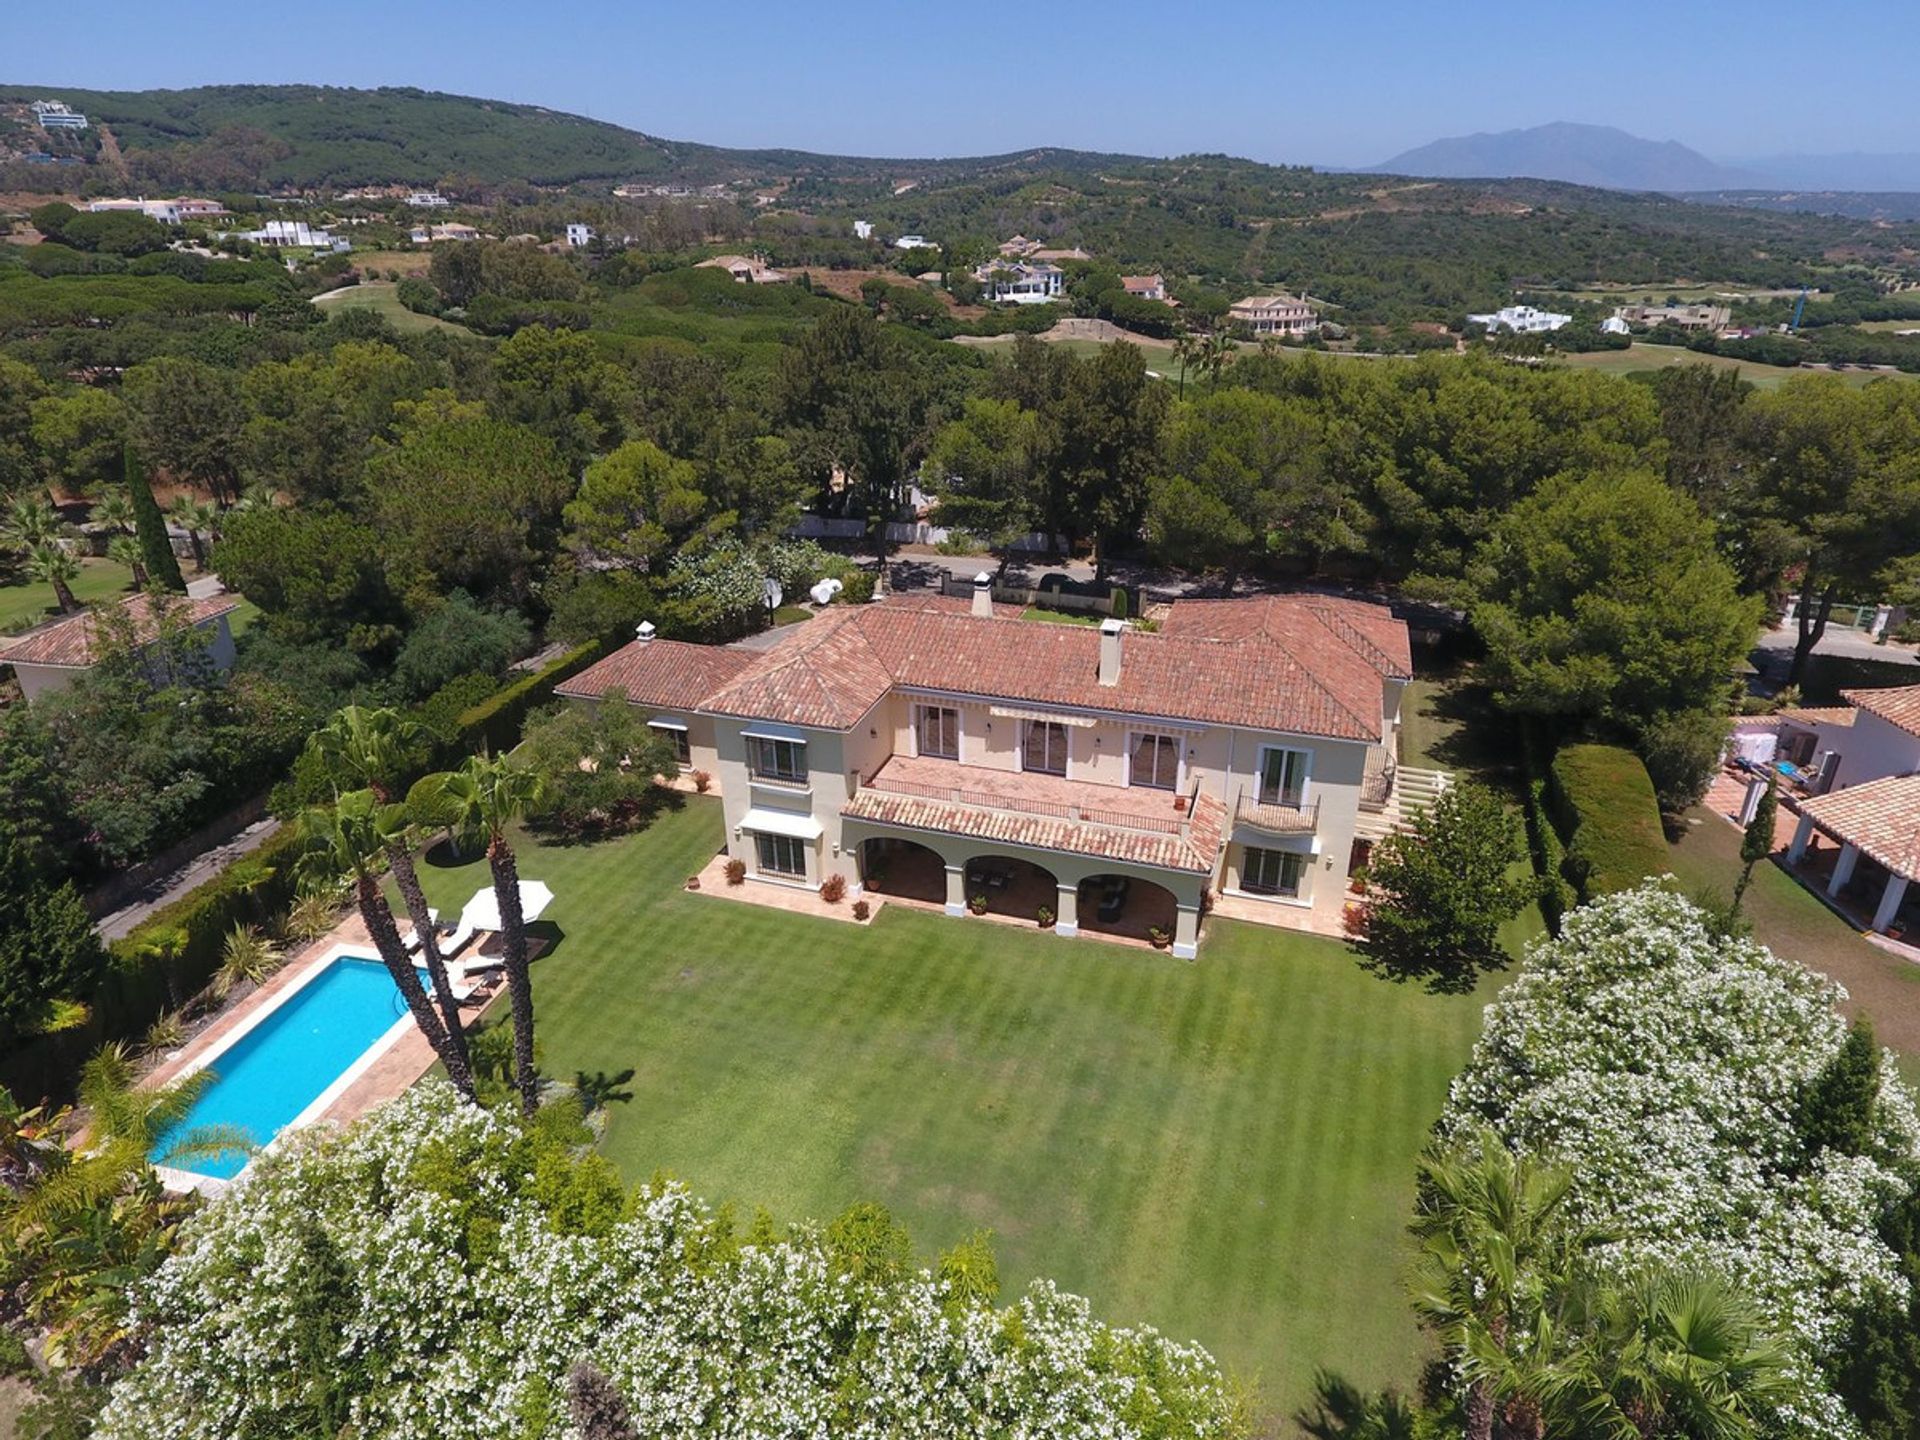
[{"x": 482, "y": 912}]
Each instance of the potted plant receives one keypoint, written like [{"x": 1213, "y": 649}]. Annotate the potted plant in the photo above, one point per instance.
[
  {"x": 1158, "y": 937},
  {"x": 1179, "y": 804},
  {"x": 1044, "y": 917},
  {"x": 702, "y": 781},
  {"x": 833, "y": 889},
  {"x": 693, "y": 882},
  {"x": 978, "y": 904},
  {"x": 736, "y": 871}
]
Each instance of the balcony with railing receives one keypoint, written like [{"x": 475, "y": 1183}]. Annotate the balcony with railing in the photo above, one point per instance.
[
  {"x": 1376, "y": 785},
  {"x": 1276, "y": 818}
]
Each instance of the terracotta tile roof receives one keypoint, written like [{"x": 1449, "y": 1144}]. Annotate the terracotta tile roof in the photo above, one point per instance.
[
  {"x": 1194, "y": 848},
  {"x": 1819, "y": 714},
  {"x": 1135, "y": 284},
  {"x": 1899, "y": 706},
  {"x": 1303, "y": 664},
  {"x": 669, "y": 674},
  {"x": 70, "y": 642},
  {"x": 1882, "y": 817}
]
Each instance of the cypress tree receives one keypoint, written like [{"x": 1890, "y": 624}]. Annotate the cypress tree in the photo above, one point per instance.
[{"x": 151, "y": 528}]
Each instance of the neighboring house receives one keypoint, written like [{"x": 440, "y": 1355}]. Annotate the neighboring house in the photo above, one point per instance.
[
  {"x": 297, "y": 235},
  {"x": 53, "y": 115},
  {"x": 1864, "y": 764},
  {"x": 578, "y": 236},
  {"x": 54, "y": 655},
  {"x": 1019, "y": 247},
  {"x": 1246, "y": 749},
  {"x": 167, "y": 212},
  {"x": 914, "y": 242},
  {"x": 1020, "y": 282},
  {"x": 1521, "y": 320},
  {"x": 1273, "y": 314},
  {"x": 744, "y": 268},
  {"x": 428, "y": 200},
  {"x": 1686, "y": 317},
  {"x": 863, "y": 229},
  {"x": 1072, "y": 252},
  {"x": 1144, "y": 287},
  {"x": 1614, "y": 325}
]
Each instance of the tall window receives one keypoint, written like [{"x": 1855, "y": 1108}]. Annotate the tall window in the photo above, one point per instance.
[
  {"x": 1045, "y": 751},
  {"x": 939, "y": 732},
  {"x": 1154, "y": 762},
  {"x": 781, "y": 855},
  {"x": 777, "y": 759},
  {"x": 1272, "y": 872},
  {"x": 677, "y": 737},
  {"x": 1283, "y": 777}
]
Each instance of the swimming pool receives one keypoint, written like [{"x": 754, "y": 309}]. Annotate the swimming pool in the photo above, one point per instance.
[{"x": 295, "y": 1057}]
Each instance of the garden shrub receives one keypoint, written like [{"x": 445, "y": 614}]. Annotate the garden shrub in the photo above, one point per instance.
[
  {"x": 833, "y": 889},
  {"x": 494, "y": 1266},
  {"x": 1688, "y": 1083},
  {"x": 1604, "y": 806},
  {"x": 495, "y": 724}
]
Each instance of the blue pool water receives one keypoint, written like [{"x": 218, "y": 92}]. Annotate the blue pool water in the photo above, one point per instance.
[{"x": 282, "y": 1065}]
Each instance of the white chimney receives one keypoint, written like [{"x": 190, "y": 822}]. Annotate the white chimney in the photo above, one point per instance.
[
  {"x": 1110, "y": 632},
  {"x": 644, "y": 631},
  {"x": 983, "y": 595}
]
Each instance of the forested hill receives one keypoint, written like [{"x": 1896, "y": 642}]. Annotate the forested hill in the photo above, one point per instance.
[{"x": 311, "y": 136}]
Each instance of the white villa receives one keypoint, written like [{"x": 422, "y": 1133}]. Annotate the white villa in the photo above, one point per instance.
[
  {"x": 1521, "y": 320},
  {"x": 56, "y": 115},
  {"x": 914, "y": 242},
  {"x": 1243, "y": 757},
  {"x": 579, "y": 235},
  {"x": 167, "y": 212},
  {"x": 428, "y": 200},
  {"x": 1021, "y": 282},
  {"x": 1273, "y": 314}
]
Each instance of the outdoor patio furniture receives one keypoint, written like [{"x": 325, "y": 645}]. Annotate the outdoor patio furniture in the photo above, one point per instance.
[
  {"x": 1113, "y": 900},
  {"x": 456, "y": 939},
  {"x": 410, "y": 941}
]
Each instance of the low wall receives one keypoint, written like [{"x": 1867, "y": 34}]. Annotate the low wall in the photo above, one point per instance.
[{"x": 118, "y": 890}]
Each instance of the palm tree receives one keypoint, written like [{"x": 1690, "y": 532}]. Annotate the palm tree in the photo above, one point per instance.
[
  {"x": 29, "y": 520},
  {"x": 1186, "y": 348},
  {"x": 484, "y": 797},
  {"x": 1495, "y": 1253},
  {"x": 350, "y": 837},
  {"x": 1215, "y": 352},
  {"x": 199, "y": 519},
  {"x": 1672, "y": 1352},
  {"x": 125, "y": 550},
  {"x": 49, "y": 563},
  {"x": 373, "y": 749},
  {"x": 114, "y": 509},
  {"x": 88, "y": 1219}
]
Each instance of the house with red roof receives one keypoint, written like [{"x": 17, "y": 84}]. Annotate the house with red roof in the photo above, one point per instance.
[
  {"x": 1243, "y": 753},
  {"x": 52, "y": 656}
]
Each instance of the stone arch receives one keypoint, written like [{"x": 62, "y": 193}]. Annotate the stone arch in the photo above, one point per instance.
[{"x": 1126, "y": 905}]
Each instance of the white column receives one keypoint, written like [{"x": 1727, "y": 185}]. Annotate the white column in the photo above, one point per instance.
[
  {"x": 1890, "y": 902},
  {"x": 1066, "y": 914},
  {"x": 1843, "y": 869},
  {"x": 1802, "y": 834},
  {"x": 1750, "y": 802},
  {"x": 956, "y": 890},
  {"x": 1186, "y": 930}
]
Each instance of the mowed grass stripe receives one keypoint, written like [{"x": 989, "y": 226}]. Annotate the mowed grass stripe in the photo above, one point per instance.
[{"x": 1222, "y": 1148}]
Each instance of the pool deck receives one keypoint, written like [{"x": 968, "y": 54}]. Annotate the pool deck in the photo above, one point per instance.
[{"x": 397, "y": 1067}]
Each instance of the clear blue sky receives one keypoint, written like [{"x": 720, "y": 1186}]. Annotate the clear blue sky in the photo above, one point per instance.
[{"x": 1342, "y": 82}]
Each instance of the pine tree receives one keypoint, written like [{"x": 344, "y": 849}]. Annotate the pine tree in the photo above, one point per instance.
[{"x": 151, "y": 526}]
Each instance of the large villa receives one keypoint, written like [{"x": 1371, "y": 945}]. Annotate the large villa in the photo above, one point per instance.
[{"x": 1118, "y": 779}]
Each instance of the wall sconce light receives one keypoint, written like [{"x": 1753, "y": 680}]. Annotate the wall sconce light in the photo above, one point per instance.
[{"x": 872, "y": 734}]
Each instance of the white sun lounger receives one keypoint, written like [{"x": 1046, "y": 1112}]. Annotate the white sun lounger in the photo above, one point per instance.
[
  {"x": 410, "y": 941},
  {"x": 452, "y": 944}
]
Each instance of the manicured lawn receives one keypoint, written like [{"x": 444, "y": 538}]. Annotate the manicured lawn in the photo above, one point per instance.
[
  {"x": 1059, "y": 617},
  {"x": 380, "y": 296},
  {"x": 1223, "y": 1149},
  {"x": 1793, "y": 922},
  {"x": 24, "y": 605},
  {"x": 1640, "y": 356}
]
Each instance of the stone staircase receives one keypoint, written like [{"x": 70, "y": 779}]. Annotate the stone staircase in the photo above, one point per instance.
[{"x": 1410, "y": 791}]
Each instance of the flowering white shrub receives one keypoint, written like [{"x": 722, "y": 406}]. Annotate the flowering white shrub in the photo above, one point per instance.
[
  {"x": 1662, "y": 1065},
  {"x": 434, "y": 1273}
]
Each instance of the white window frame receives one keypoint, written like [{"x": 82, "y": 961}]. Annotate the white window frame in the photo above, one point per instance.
[
  {"x": 1134, "y": 737},
  {"x": 1306, "y": 775},
  {"x": 676, "y": 731},
  {"x": 1066, "y": 747},
  {"x": 1248, "y": 885},
  {"x": 920, "y": 709},
  {"x": 776, "y": 776},
  {"x": 763, "y": 838}
]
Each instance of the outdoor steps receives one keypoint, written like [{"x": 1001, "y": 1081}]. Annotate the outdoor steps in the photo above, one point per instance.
[{"x": 1413, "y": 791}]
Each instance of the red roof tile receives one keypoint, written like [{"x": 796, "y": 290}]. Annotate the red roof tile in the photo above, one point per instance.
[
  {"x": 1882, "y": 817},
  {"x": 668, "y": 674},
  {"x": 1899, "y": 706},
  {"x": 70, "y": 643},
  {"x": 1304, "y": 664}
]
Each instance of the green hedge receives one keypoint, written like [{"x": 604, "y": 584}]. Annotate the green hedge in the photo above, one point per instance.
[
  {"x": 1603, "y": 804},
  {"x": 495, "y": 723}
]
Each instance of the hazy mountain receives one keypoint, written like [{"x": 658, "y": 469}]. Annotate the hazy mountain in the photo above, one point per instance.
[
  {"x": 1855, "y": 172},
  {"x": 1597, "y": 155}
]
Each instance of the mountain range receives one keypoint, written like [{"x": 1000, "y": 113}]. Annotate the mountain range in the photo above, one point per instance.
[{"x": 1612, "y": 159}]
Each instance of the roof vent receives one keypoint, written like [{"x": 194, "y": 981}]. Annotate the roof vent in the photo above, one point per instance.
[
  {"x": 983, "y": 595},
  {"x": 644, "y": 631},
  {"x": 1110, "y": 632}
]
